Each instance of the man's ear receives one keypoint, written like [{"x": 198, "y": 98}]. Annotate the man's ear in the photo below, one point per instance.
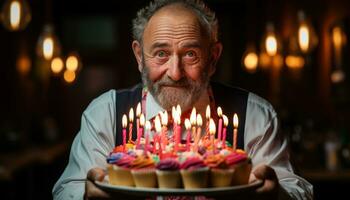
[
  {"x": 137, "y": 48},
  {"x": 215, "y": 56}
]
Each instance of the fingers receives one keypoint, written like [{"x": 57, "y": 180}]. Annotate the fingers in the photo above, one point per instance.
[
  {"x": 265, "y": 172},
  {"x": 269, "y": 189},
  {"x": 96, "y": 174}
]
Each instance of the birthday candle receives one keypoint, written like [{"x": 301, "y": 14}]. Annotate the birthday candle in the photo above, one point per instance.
[
  {"x": 173, "y": 114},
  {"x": 224, "y": 131},
  {"x": 188, "y": 136},
  {"x": 138, "y": 113},
  {"x": 147, "y": 129},
  {"x": 131, "y": 119},
  {"x": 158, "y": 127},
  {"x": 164, "y": 119},
  {"x": 220, "y": 123},
  {"x": 207, "y": 116},
  {"x": 178, "y": 132},
  {"x": 235, "y": 126},
  {"x": 139, "y": 134},
  {"x": 193, "y": 119},
  {"x": 212, "y": 130},
  {"x": 124, "y": 123},
  {"x": 199, "y": 130}
]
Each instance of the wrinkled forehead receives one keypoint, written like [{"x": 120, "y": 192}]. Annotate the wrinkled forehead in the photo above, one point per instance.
[{"x": 174, "y": 22}]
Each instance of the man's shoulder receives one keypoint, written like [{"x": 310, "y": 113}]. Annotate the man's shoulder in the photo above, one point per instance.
[{"x": 105, "y": 99}]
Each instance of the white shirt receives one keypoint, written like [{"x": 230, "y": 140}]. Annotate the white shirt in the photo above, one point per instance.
[{"x": 96, "y": 139}]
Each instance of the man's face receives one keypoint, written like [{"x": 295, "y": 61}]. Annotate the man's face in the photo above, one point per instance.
[{"x": 175, "y": 56}]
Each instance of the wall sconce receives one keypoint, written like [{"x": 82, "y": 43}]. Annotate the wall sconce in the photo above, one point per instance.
[
  {"x": 15, "y": 15},
  {"x": 339, "y": 39}
]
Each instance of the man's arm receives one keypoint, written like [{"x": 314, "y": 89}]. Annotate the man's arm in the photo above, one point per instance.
[
  {"x": 267, "y": 146},
  {"x": 90, "y": 147}
]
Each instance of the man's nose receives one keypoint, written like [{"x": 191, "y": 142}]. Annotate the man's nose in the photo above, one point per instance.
[{"x": 175, "y": 71}]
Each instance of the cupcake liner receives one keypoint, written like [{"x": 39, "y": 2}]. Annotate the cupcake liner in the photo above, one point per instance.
[
  {"x": 195, "y": 178},
  {"x": 221, "y": 177},
  {"x": 241, "y": 173},
  {"x": 120, "y": 176},
  {"x": 169, "y": 179},
  {"x": 145, "y": 178}
]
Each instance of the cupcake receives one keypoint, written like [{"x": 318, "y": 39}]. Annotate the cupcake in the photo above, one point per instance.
[
  {"x": 220, "y": 174},
  {"x": 194, "y": 173},
  {"x": 143, "y": 172},
  {"x": 119, "y": 169},
  {"x": 242, "y": 166},
  {"x": 168, "y": 174}
]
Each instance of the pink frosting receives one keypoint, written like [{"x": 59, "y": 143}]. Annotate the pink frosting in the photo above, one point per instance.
[
  {"x": 125, "y": 161},
  {"x": 193, "y": 163},
  {"x": 235, "y": 158}
]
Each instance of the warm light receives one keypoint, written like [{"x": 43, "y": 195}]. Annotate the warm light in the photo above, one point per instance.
[
  {"x": 337, "y": 76},
  {"x": 178, "y": 110},
  {"x": 157, "y": 124},
  {"x": 212, "y": 127},
  {"x": 199, "y": 120},
  {"x": 277, "y": 61},
  {"x": 147, "y": 125},
  {"x": 173, "y": 112},
  {"x": 271, "y": 45},
  {"x": 264, "y": 60},
  {"x": 219, "y": 110},
  {"x": 142, "y": 119},
  {"x": 193, "y": 117},
  {"x": 72, "y": 63},
  {"x": 304, "y": 38},
  {"x": 124, "y": 121},
  {"x": 56, "y": 65},
  {"x": 337, "y": 37},
  {"x": 207, "y": 112},
  {"x": 48, "y": 48},
  {"x": 138, "y": 109},
  {"x": 187, "y": 124},
  {"x": 164, "y": 118},
  {"x": 235, "y": 121},
  {"x": 131, "y": 115},
  {"x": 295, "y": 62},
  {"x": 225, "y": 120},
  {"x": 251, "y": 61},
  {"x": 15, "y": 14},
  {"x": 23, "y": 64},
  {"x": 69, "y": 76}
]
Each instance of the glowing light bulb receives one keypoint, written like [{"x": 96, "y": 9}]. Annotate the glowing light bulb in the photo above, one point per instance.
[
  {"x": 251, "y": 61},
  {"x": 304, "y": 38},
  {"x": 48, "y": 45},
  {"x": 72, "y": 62},
  {"x": 57, "y": 65},
  {"x": 271, "y": 45},
  {"x": 69, "y": 76},
  {"x": 15, "y": 15}
]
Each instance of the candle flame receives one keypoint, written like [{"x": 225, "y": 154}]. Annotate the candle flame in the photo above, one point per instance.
[
  {"x": 173, "y": 112},
  {"x": 235, "y": 121},
  {"x": 225, "y": 120},
  {"x": 157, "y": 124},
  {"x": 131, "y": 115},
  {"x": 212, "y": 127},
  {"x": 207, "y": 112},
  {"x": 219, "y": 111},
  {"x": 148, "y": 125},
  {"x": 187, "y": 124},
  {"x": 142, "y": 119},
  {"x": 199, "y": 120},
  {"x": 164, "y": 118},
  {"x": 178, "y": 109},
  {"x": 124, "y": 121},
  {"x": 193, "y": 117},
  {"x": 138, "y": 109}
]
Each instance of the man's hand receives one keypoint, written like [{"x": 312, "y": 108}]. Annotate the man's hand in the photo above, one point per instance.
[
  {"x": 91, "y": 190},
  {"x": 269, "y": 189}
]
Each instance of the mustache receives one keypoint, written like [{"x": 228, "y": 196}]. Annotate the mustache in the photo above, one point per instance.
[{"x": 166, "y": 81}]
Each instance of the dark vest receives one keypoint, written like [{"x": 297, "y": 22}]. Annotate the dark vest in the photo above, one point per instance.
[{"x": 231, "y": 99}]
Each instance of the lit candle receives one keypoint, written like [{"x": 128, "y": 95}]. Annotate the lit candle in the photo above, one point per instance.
[
  {"x": 193, "y": 119},
  {"x": 235, "y": 126},
  {"x": 212, "y": 130},
  {"x": 158, "y": 127},
  {"x": 147, "y": 129},
  {"x": 199, "y": 130},
  {"x": 164, "y": 119},
  {"x": 131, "y": 119},
  {"x": 188, "y": 136},
  {"x": 224, "y": 131},
  {"x": 207, "y": 116},
  {"x": 177, "y": 132},
  {"x": 140, "y": 132},
  {"x": 220, "y": 123},
  {"x": 174, "y": 114},
  {"x": 124, "y": 123},
  {"x": 138, "y": 113}
]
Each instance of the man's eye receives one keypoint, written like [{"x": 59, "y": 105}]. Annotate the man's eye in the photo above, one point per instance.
[
  {"x": 190, "y": 54},
  {"x": 161, "y": 54}
]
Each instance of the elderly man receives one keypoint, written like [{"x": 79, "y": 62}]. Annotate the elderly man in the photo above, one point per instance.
[{"x": 176, "y": 48}]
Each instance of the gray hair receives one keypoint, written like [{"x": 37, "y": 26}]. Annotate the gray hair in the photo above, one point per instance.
[{"x": 206, "y": 17}]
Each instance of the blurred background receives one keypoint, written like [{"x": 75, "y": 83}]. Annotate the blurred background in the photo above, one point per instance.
[{"x": 58, "y": 55}]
